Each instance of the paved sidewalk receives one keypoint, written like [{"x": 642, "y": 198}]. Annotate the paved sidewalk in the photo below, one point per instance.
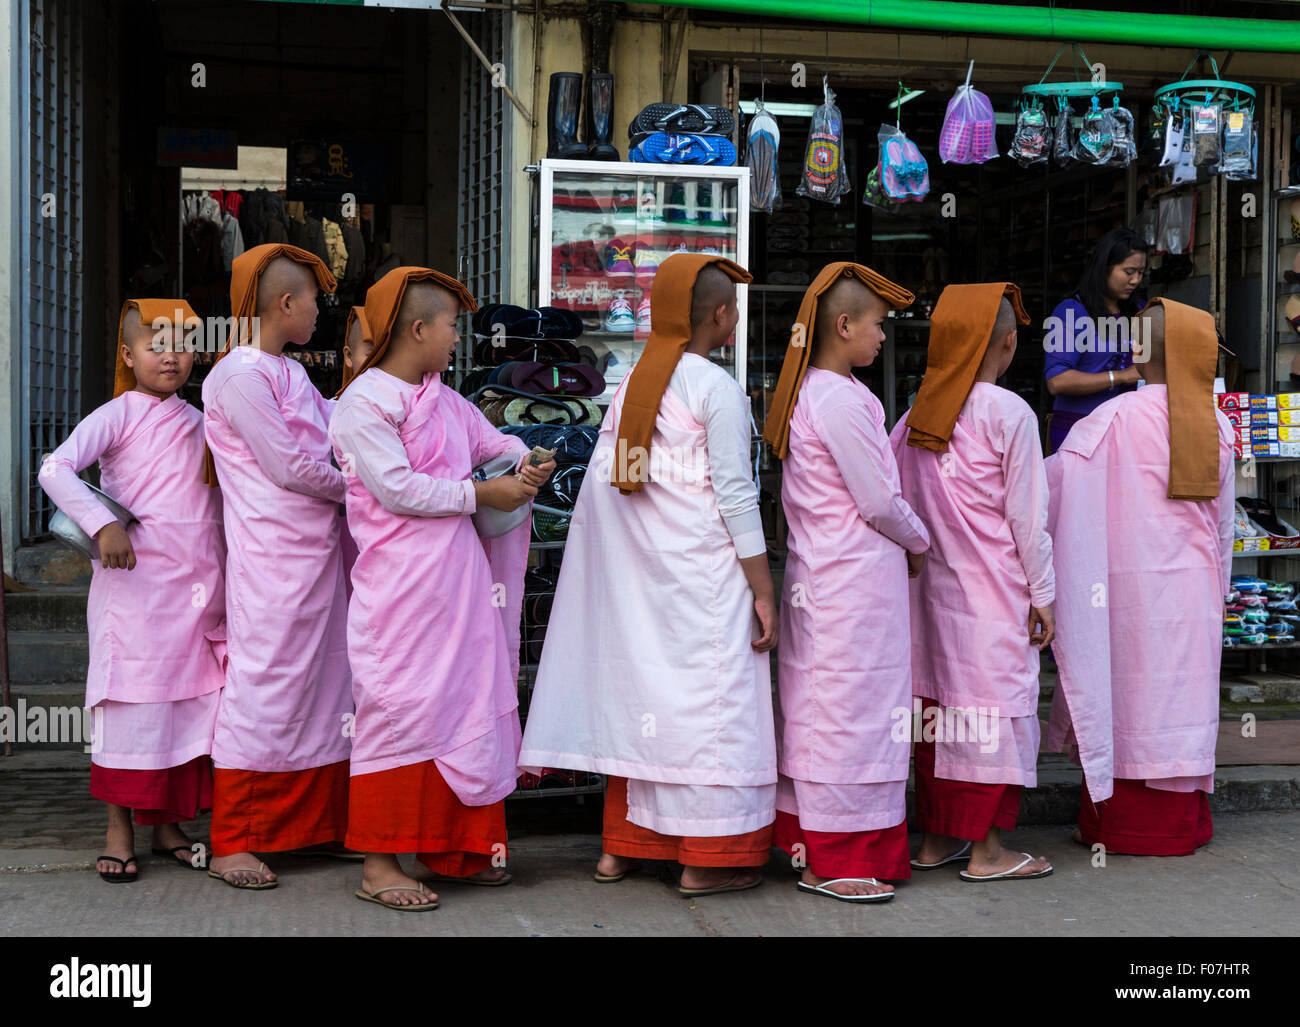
[{"x": 1247, "y": 881}]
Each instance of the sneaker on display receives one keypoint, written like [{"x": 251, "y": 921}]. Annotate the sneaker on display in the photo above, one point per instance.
[
  {"x": 643, "y": 315},
  {"x": 620, "y": 317}
]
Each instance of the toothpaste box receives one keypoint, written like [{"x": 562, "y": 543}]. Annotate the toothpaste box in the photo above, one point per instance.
[
  {"x": 1263, "y": 417},
  {"x": 1268, "y": 402},
  {"x": 1289, "y": 433},
  {"x": 1265, "y": 434},
  {"x": 1242, "y": 434},
  {"x": 1288, "y": 399},
  {"x": 1241, "y": 450},
  {"x": 1239, "y": 418},
  {"x": 1266, "y": 449},
  {"x": 1289, "y": 448},
  {"x": 1234, "y": 401}
]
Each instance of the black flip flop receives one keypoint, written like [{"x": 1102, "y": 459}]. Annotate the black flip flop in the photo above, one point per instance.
[
  {"x": 188, "y": 861},
  {"x": 124, "y": 877}
]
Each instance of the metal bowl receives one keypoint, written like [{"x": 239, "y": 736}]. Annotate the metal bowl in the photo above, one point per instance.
[
  {"x": 67, "y": 531},
  {"x": 488, "y": 521}
]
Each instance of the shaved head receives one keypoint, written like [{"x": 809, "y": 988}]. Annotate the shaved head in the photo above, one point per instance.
[
  {"x": 847, "y": 296},
  {"x": 1149, "y": 346},
  {"x": 713, "y": 289},
  {"x": 423, "y": 301},
  {"x": 1005, "y": 322},
  {"x": 282, "y": 276},
  {"x": 134, "y": 329}
]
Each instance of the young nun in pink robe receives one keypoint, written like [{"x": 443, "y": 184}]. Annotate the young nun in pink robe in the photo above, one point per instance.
[
  {"x": 433, "y": 666},
  {"x": 156, "y": 610},
  {"x": 844, "y": 671},
  {"x": 654, "y": 671},
  {"x": 1141, "y": 522},
  {"x": 283, "y": 726},
  {"x": 972, "y": 467}
]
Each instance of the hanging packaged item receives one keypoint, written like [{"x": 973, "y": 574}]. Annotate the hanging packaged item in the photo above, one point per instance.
[
  {"x": 1122, "y": 134},
  {"x": 1176, "y": 219},
  {"x": 1238, "y": 146},
  {"x": 904, "y": 174},
  {"x": 760, "y": 156},
  {"x": 1033, "y": 140},
  {"x": 1095, "y": 142},
  {"x": 1063, "y": 133},
  {"x": 824, "y": 176},
  {"x": 968, "y": 127},
  {"x": 1174, "y": 131},
  {"x": 1205, "y": 134},
  {"x": 1185, "y": 170}
]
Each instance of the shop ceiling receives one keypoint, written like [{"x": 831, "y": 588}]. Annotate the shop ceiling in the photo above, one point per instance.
[{"x": 1193, "y": 32}]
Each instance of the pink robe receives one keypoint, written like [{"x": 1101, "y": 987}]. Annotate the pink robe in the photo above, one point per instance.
[
  {"x": 156, "y": 632},
  {"x": 434, "y": 670},
  {"x": 287, "y": 703},
  {"x": 1139, "y": 610},
  {"x": 985, "y": 503},
  {"x": 647, "y": 672},
  {"x": 845, "y": 683}
]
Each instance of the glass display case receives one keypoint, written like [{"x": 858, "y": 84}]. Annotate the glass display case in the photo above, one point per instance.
[{"x": 603, "y": 229}]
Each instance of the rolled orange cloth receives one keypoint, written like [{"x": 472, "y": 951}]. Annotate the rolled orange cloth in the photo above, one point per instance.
[
  {"x": 153, "y": 313},
  {"x": 1191, "y": 359},
  {"x": 384, "y": 300},
  {"x": 799, "y": 350},
  {"x": 960, "y": 327},
  {"x": 245, "y": 274},
  {"x": 670, "y": 331}
]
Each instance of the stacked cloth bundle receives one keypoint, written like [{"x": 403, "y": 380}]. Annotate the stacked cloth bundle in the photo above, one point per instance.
[{"x": 529, "y": 369}]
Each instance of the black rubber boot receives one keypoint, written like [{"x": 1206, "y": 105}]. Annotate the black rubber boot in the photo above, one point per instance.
[
  {"x": 562, "y": 117},
  {"x": 600, "y": 117}
]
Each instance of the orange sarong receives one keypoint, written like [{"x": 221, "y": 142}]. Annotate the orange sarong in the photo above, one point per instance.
[
  {"x": 263, "y": 811},
  {"x": 619, "y": 837},
  {"x": 412, "y": 809}
]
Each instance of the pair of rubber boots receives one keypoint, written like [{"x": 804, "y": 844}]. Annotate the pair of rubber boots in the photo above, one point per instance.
[{"x": 562, "y": 117}]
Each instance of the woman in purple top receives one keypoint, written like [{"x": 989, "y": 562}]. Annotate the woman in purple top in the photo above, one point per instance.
[{"x": 1088, "y": 358}]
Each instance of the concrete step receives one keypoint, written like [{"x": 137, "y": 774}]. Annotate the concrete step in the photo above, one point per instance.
[
  {"x": 51, "y": 563},
  {"x": 1260, "y": 688},
  {"x": 48, "y": 656},
  {"x": 48, "y": 608}
]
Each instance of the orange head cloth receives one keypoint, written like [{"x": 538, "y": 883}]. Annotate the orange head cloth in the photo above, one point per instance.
[
  {"x": 1191, "y": 358},
  {"x": 384, "y": 300},
  {"x": 960, "y": 327},
  {"x": 670, "y": 331},
  {"x": 154, "y": 314},
  {"x": 245, "y": 273},
  {"x": 356, "y": 315},
  {"x": 799, "y": 351}
]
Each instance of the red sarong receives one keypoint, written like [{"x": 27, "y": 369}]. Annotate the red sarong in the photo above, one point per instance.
[
  {"x": 264, "y": 811},
  {"x": 960, "y": 809},
  {"x": 1138, "y": 820},
  {"x": 619, "y": 837},
  {"x": 883, "y": 854},
  {"x": 168, "y": 796},
  {"x": 412, "y": 809}
]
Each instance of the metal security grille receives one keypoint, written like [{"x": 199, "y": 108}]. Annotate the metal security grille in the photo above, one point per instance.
[
  {"x": 50, "y": 351},
  {"x": 484, "y": 156}
]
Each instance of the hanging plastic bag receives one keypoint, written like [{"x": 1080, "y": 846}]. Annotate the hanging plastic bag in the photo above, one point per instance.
[
  {"x": 1205, "y": 134},
  {"x": 968, "y": 127},
  {"x": 1063, "y": 133},
  {"x": 1185, "y": 170},
  {"x": 1123, "y": 135},
  {"x": 1237, "y": 146},
  {"x": 1175, "y": 124},
  {"x": 904, "y": 174},
  {"x": 824, "y": 176},
  {"x": 1095, "y": 143},
  {"x": 1174, "y": 230},
  {"x": 764, "y": 140},
  {"x": 1033, "y": 139},
  {"x": 1148, "y": 224}
]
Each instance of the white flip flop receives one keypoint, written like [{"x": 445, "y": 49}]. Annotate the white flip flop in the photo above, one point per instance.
[
  {"x": 1007, "y": 875},
  {"x": 822, "y": 889},
  {"x": 960, "y": 854}
]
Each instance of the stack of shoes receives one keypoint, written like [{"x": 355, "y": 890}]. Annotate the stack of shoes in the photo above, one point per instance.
[
  {"x": 1259, "y": 612},
  {"x": 683, "y": 134},
  {"x": 553, "y": 506},
  {"x": 530, "y": 369}
]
